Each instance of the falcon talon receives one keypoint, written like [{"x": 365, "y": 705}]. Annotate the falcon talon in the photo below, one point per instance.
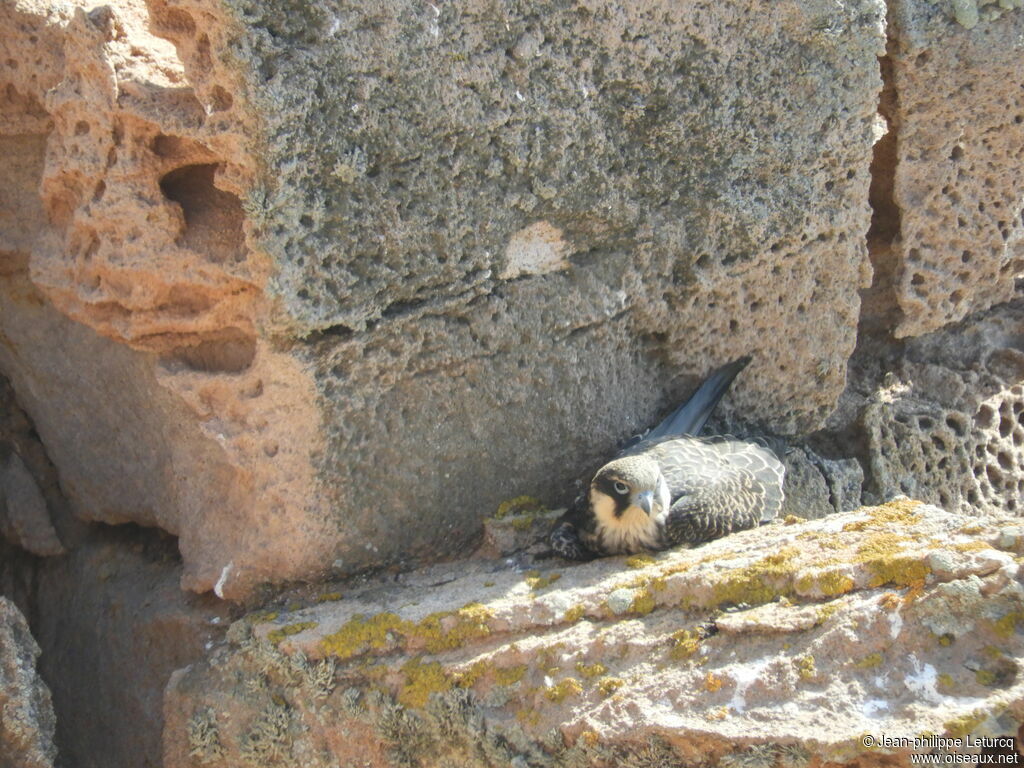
[{"x": 669, "y": 488}]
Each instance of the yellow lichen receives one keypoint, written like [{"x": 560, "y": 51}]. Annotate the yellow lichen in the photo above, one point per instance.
[
  {"x": 277, "y": 635},
  {"x": 870, "y": 661},
  {"x": 509, "y": 675},
  {"x": 945, "y": 681},
  {"x": 712, "y": 682},
  {"x": 992, "y": 652},
  {"x": 360, "y": 634},
  {"x": 825, "y": 612},
  {"x": 561, "y": 691},
  {"x": 965, "y": 724},
  {"x": 609, "y": 685},
  {"x": 972, "y": 546},
  {"x": 444, "y": 631},
  {"x": 793, "y": 520},
  {"x": 643, "y": 601},
  {"x": 686, "y": 644},
  {"x": 591, "y": 670},
  {"x": 640, "y": 561},
  {"x": 900, "y": 511},
  {"x": 590, "y": 738},
  {"x": 945, "y": 640},
  {"x": 574, "y": 614},
  {"x": 261, "y": 617},
  {"x": 829, "y": 583},
  {"x": 528, "y": 716},
  {"x": 1007, "y": 625},
  {"x": 518, "y": 506},
  {"x": 421, "y": 680},
  {"x": 328, "y": 597},
  {"x": 805, "y": 667},
  {"x": 985, "y": 677},
  {"x": 758, "y": 583},
  {"x": 468, "y": 678},
  {"x": 881, "y": 554},
  {"x": 536, "y": 581}
]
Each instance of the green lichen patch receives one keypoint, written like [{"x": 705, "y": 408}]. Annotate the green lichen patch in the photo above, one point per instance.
[
  {"x": 261, "y": 617},
  {"x": 870, "y": 661},
  {"x": 277, "y": 635},
  {"x": 420, "y": 681},
  {"x": 606, "y": 686}
]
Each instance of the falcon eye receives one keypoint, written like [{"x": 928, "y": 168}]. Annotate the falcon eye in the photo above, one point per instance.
[{"x": 621, "y": 488}]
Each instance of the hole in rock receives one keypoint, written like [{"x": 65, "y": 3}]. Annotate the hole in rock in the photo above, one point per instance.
[
  {"x": 232, "y": 351},
  {"x": 213, "y": 217},
  {"x": 220, "y": 99}
]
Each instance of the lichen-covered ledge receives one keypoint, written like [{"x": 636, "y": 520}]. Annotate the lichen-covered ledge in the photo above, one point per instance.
[{"x": 901, "y": 619}]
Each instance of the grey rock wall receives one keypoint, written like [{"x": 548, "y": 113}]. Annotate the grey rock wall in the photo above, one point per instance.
[{"x": 26, "y": 712}]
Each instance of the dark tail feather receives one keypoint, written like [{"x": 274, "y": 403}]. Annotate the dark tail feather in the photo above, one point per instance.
[{"x": 689, "y": 418}]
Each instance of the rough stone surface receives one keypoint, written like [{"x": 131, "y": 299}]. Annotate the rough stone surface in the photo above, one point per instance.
[
  {"x": 26, "y": 713},
  {"x": 786, "y": 640},
  {"x": 122, "y": 212},
  {"x": 958, "y": 116},
  {"x": 947, "y": 425},
  {"x": 474, "y": 237},
  {"x": 24, "y": 518}
]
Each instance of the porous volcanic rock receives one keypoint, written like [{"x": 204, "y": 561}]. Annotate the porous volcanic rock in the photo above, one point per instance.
[
  {"x": 26, "y": 713},
  {"x": 947, "y": 423},
  {"x": 790, "y": 641},
  {"x": 312, "y": 286},
  {"x": 958, "y": 121}
]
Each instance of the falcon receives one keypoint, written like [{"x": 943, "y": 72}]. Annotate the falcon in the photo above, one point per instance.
[{"x": 669, "y": 488}]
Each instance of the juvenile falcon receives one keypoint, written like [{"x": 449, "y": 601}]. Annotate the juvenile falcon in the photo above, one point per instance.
[{"x": 669, "y": 487}]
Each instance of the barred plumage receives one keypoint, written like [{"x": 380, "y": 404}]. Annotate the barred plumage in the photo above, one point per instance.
[{"x": 668, "y": 489}]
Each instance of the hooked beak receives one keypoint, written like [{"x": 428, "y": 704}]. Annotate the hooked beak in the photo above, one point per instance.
[{"x": 644, "y": 500}]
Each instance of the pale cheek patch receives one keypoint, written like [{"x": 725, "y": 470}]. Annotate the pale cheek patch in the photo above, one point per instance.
[{"x": 632, "y": 532}]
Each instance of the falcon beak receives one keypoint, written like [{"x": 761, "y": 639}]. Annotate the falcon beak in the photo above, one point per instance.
[{"x": 644, "y": 500}]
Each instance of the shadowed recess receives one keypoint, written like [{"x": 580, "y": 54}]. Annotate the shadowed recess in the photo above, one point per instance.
[{"x": 213, "y": 217}]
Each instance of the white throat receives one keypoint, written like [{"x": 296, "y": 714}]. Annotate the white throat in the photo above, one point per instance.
[{"x": 632, "y": 531}]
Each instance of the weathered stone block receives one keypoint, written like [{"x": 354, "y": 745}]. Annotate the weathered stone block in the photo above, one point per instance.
[
  {"x": 959, "y": 121},
  {"x": 368, "y": 270}
]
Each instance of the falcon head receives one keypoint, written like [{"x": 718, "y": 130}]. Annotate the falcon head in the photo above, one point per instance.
[{"x": 627, "y": 490}]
